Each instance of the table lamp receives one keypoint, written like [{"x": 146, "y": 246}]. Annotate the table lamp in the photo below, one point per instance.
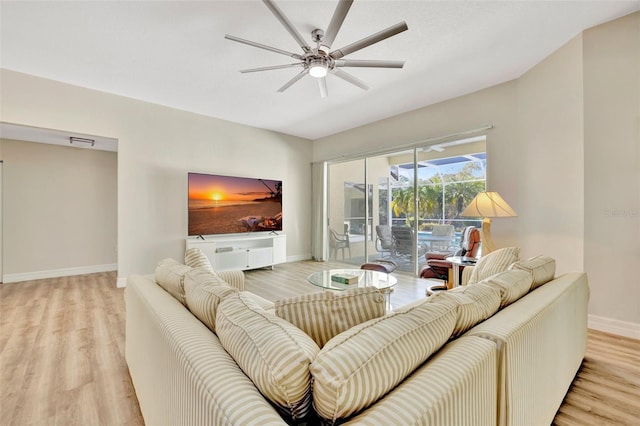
[{"x": 488, "y": 205}]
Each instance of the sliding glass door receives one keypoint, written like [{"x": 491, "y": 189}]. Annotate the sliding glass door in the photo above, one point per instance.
[
  {"x": 450, "y": 176},
  {"x": 402, "y": 204},
  {"x": 349, "y": 207}
]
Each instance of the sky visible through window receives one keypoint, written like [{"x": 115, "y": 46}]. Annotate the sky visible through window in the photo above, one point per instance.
[{"x": 445, "y": 166}]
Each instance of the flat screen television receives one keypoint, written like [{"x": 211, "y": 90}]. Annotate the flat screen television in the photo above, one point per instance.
[{"x": 231, "y": 204}]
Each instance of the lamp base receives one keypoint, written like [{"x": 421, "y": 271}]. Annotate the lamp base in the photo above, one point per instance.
[{"x": 487, "y": 243}]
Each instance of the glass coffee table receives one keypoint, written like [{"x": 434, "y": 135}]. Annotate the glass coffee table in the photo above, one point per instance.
[{"x": 366, "y": 278}]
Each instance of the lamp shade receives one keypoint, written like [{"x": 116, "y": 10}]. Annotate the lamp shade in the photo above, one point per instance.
[{"x": 488, "y": 204}]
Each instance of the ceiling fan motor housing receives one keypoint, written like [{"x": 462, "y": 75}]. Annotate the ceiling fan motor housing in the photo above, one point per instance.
[{"x": 317, "y": 35}]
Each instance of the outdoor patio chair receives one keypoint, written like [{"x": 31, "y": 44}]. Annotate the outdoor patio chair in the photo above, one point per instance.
[
  {"x": 384, "y": 240},
  {"x": 444, "y": 231},
  {"x": 338, "y": 242},
  {"x": 403, "y": 237}
]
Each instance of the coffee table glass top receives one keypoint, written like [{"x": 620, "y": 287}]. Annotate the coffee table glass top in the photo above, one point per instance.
[{"x": 366, "y": 278}]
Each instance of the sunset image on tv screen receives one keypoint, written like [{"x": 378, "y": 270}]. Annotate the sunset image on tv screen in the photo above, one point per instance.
[{"x": 230, "y": 204}]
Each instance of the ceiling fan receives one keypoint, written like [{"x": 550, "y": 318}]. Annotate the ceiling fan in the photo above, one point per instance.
[{"x": 321, "y": 60}]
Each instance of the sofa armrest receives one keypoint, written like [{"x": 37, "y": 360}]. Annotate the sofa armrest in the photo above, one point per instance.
[
  {"x": 456, "y": 386},
  {"x": 233, "y": 278},
  {"x": 466, "y": 274},
  {"x": 181, "y": 373},
  {"x": 542, "y": 341}
]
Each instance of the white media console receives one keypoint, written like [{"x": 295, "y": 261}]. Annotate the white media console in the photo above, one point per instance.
[{"x": 242, "y": 251}]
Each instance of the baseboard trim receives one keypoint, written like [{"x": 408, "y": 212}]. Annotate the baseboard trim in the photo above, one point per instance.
[
  {"x": 55, "y": 273},
  {"x": 613, "y": 326},
  {"x": 121, "y": 282},
  {"x": 299, "y": 257}
]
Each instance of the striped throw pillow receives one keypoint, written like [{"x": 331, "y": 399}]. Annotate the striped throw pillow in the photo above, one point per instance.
[
  {"x": 512, "y": 285},
  {"x": 195, "y": 258},
  {"x": 494, "y": 262},
  {"x": 359, "y": 366},
  {"x": 169, "y": 275},
  {"x": 326, "y": 314},
  {"x": 541, "y": 268},
  {"x": 473, "y": 304},
  {"x": 203, "y": 293},
  {"x": 272, "y": 352}
]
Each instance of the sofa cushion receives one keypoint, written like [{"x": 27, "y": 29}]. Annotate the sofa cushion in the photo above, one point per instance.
[
  {"x": 170, "y": 276},
  {"x": 203, "y": 293},
  {"x": 195, "y": 258},
  {"x": 326, "y": 314},
  {"x": 363, "y": 363},
  {"x": 261, "y": 301},
  {"x": 472, "y": 303},
  {"x": 234, "y": 278},
  {"x": 512, "y": 285},
  {"x": 542, "y": 269},
  {"x": 272, "y": 352},
  {"x": 494, "y": 262}
]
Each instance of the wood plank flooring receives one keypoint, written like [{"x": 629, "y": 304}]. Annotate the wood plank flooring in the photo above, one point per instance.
[{"x": 62, "y": 353}]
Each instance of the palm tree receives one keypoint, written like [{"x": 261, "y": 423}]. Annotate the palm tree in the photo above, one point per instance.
[
  {"x": 457, "y": 195},
  {"x": 402, "y": 201}
]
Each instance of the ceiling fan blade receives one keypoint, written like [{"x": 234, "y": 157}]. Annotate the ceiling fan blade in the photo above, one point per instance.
[
  {"x": 336, "y": 22},
  {"x": 293, "y": 80},
  {"x": 322, "y": 84},
  {"x": 287, "y": 24},
  {"x": 274, "y": 67},
  {"x": 368, "y": 41},
  {"x": 351, "y": 79},
  {"x": 262, "y": 46},
  {"x": 368, "y": 64}
]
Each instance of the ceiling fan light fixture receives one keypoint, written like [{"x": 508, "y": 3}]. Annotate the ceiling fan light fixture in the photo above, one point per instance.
[{"x": 318, "y": 69}]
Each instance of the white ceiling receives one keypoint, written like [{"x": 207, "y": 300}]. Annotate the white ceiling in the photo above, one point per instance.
[{"x": 174, "y": 53}]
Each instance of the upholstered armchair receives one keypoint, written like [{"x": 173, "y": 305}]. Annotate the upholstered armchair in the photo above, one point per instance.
[{"x": 438, "y": 266}]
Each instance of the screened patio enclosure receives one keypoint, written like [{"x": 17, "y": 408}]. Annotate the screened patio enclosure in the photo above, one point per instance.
[{"x": 423, "y": 190}]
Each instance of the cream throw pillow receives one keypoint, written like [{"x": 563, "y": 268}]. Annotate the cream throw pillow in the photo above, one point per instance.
[
  {"x": 359, "y": 366},
  {"x": 494, "y": 262},
  {"x": 326, "y": 314},
  {"x": 169, "y": 275},
  {"x": 203, "y": 293},
  {"x": 195, "y": 258},
  {"x": 541, "y": 268},
  {"x": 272, "y": 352},
  {"x": 473, "y": 304},
  {"x": 512, "y": 285}
]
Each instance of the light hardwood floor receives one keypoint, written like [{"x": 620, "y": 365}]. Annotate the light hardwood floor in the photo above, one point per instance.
[{"x": 62, "y": 353}]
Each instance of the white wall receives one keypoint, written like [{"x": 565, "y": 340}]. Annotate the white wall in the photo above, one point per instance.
[
  {"x": 157, "y": 146},
  {"x": 612, "y": 167},
  {"x": 564, "y": 152},
  {"x": 60, "y": 208},
  {"x": 550, "y": 140}
]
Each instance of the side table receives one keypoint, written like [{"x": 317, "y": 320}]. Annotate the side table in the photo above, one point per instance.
[{"x": 456, "y": 263}]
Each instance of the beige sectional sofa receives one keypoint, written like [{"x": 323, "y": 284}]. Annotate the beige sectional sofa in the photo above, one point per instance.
[{"x": 513, "y": 368}]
